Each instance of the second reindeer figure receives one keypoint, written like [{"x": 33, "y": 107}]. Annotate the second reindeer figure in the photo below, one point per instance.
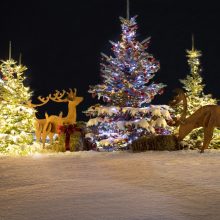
[{"x": 207, "y": 117}]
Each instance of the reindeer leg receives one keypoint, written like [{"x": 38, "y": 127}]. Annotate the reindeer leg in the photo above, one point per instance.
[
  {"x": 38, "y": 135},
  {"x": 184, "y": 130},
  {"x": 46, "y": 131},
  {"x": 37, "y": 131},
  {"x": 51, "y": 137},
  {"x": 208, "y": 132}
]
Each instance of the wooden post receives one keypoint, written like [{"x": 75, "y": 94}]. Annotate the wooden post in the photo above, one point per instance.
[
  {"x": 20, "y": 56},
  {"x": 193, "y": 43},
  {"x": 9, "y": 55},
  {"x": 128, "y": 9}
]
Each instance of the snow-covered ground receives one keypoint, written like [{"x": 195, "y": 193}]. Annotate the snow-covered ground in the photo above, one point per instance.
[{"x": 120, "y": 185}]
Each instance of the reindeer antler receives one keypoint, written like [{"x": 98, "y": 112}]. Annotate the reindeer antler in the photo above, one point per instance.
[
  {"x": 44, "y": 100},
  {"x": 72, "y": 94},
  {"x": 57, "y": 96}
]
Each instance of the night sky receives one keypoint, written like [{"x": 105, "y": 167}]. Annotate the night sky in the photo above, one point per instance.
[{"x": 61, "y": 42}]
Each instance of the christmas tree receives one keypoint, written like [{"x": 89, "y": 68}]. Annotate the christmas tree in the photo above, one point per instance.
[
  {"x": 16, "y": 118},
  {"x": 128, "y": 92},
  {"x": 194, "y": 87}
]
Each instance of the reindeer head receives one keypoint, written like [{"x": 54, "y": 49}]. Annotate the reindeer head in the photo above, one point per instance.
[
  {"x": 178, "y": 97},
  {"x": 71, "y": 95},
  {"x": 73, "y": 98}
]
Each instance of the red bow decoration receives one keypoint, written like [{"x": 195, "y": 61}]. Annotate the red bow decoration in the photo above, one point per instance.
[{"x": 68, "y": 130}]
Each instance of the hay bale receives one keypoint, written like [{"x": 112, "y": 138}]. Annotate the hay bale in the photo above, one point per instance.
[
  {"x": 155, "y": 142},
  {"x": 89, "y": 145}
]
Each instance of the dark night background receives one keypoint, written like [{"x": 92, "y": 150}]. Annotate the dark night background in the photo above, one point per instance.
[{"x": 61, "y": 42}]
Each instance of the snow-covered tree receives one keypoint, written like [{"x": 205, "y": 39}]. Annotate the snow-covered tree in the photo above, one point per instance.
[
  {"x": 194, "y": 87},
  {"x": 16, "y": 118},
  {"x": 128, "y": 90}
]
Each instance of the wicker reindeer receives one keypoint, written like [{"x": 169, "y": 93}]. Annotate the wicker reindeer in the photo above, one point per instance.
[
  {"x": 207, "y": 117},
  {"x": 39, "y": 123},
  {"x": 49, "y": 125},
  {"x": 53, "y": 121}
]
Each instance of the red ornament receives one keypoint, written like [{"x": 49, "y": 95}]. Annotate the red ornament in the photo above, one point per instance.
[
  {"x": 147, "y": 80},
  {"x": 4, "y": 78},
  {"x": 151, "y": 59},
  {"x": 160, "y": 91},
  {"x": 146, "y": 45}
]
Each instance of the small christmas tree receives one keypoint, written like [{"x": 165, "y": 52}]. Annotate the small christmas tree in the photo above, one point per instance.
[
  {"x": 194, "y": 86},
  {"x": 16, "y": 118},
  {"x": 128, "y": 92}
]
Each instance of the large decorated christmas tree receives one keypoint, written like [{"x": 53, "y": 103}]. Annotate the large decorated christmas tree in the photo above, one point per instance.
[
  {"x": 16, "y": 118},
  {"x": 128, "y": 91},
  {"x": 194, "y": 87}
]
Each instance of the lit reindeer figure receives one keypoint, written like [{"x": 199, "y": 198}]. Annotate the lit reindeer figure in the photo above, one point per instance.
[
  {"x": 207, "y": 117},
  {"x": 53, "y": 122}
]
